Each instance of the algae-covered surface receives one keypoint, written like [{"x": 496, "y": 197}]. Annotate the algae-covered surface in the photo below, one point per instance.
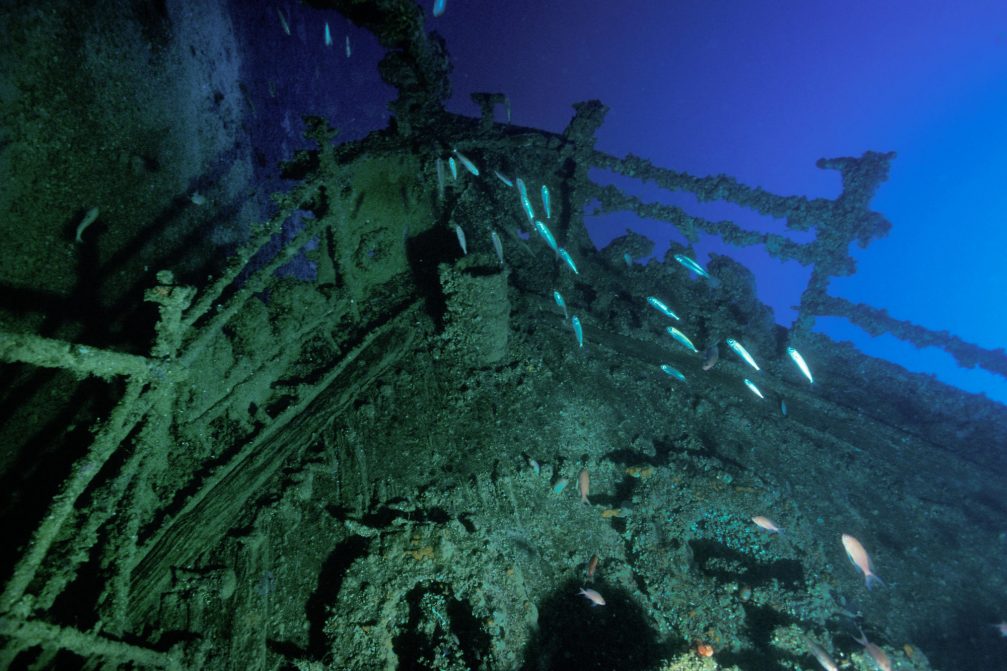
[{"x": 366, "y": 444}]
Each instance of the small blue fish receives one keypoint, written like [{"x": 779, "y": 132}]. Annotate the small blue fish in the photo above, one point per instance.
[
  {"x": 558, "y": 297},
  {"x": 328, "y": 35},
  {"x": 691, "y": 265},
  {"x": 545, "y": 202},
  {"x": 565, "y": 255},
  {"x": 801, "y": 363},
  {"x": 460, "y": 234},
  {"x": 469, "y": 165},
  {"x": 628, "y": 259},
  {"x": 578, "y": 330},
  {"x": 454, "y": 167},
  {"x": 503, "y": 178},
  {"x": 440, "y": 6},
  {"x": 560, "y": 485},
  {"x": 349, "y": 49},
  {"x": 755, "y": 390},
  {"x": 672, "y": 371},
  {"x": 742, "y": 352},
  {"x": 525, "y": 202},
  {"x": 682, "y": 338},
  {"x": 783, "y": 407},
  {"x": 662, "y": 307},
  {"x": 547, "y": 235}
]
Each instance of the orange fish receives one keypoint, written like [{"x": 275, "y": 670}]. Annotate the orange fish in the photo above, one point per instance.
[
  {"x": 858, "y": 555},
  {"x": 767, "y": 524},
  {"x": 824, "y": 660},
  {"x": 584, "y": 484},
  {"x": 877, "y": 654},
  {"x": 592, "y": 566}
]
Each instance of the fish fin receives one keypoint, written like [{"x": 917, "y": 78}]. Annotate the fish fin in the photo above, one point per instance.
[{"x": 871, "y": 580}]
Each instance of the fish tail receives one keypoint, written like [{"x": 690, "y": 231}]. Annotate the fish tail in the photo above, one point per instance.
[{"x": 871, "y": 580}]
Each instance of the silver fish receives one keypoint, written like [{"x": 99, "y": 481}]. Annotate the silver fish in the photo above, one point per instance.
[
  {"x": 328, "y": 35},
  {"x": 682, "y": 338},
  {"x": 692, "y": 265},
  {"x": 662, "y": 307},
  {"x": 460, "y": 234},
  {"x": 545, "y": 202},
  {"x": 454, "y": 167},
  {"x": 349, "y": 49},
  {"x": 801, "y": 363},
  {"x": 503, "y": 178},
  {"x": 742, "y": 352},
  {"x": 497, "y": 246},
  {"x": 558, "y": 297},
  {"x": 577, "y": 330},
  {"x": 711, "y": 356},
  {"x": 755, "y": 390},
  {"x": 525, "y": 202},
  {"x": 673, "y": 372},
  {"x": 469, "y": 165},
  {"x": 565, "y": 255},
  {"x": 283, "y": 22},
  {"x": 89, "y": 218},
  {"x": 547, "y": 235}
]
